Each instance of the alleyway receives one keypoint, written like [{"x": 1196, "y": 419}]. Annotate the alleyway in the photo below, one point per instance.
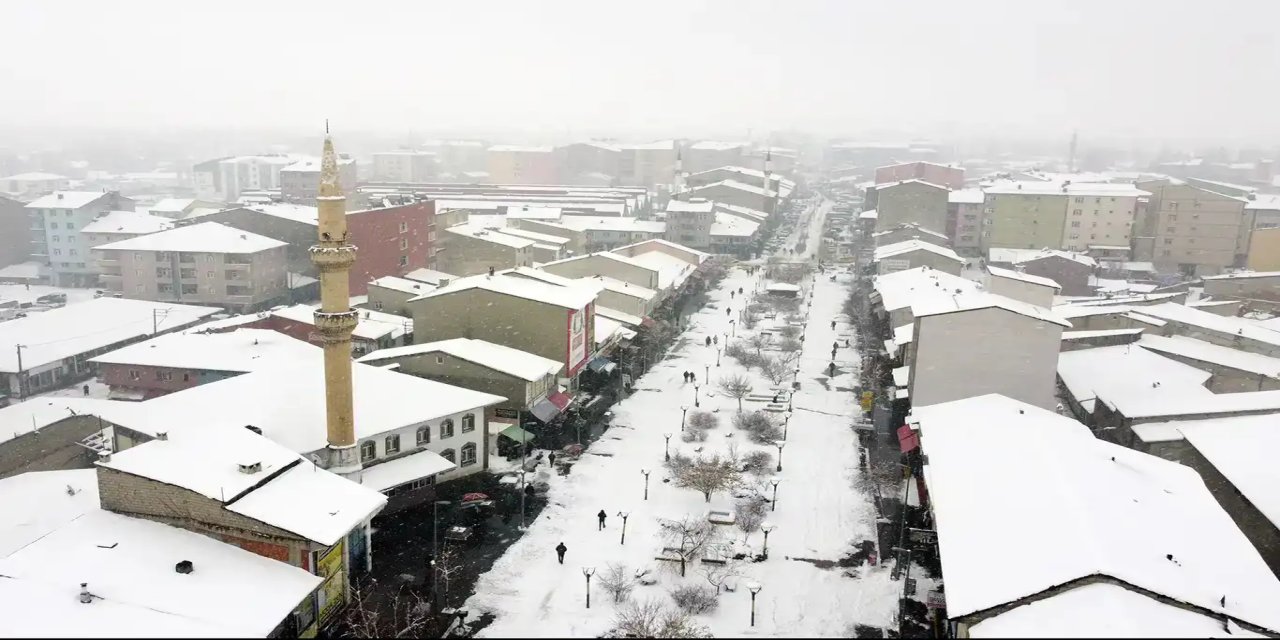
[{"x": 809, "y": 585}]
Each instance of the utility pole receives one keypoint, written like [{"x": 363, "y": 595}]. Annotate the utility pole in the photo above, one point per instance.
[{"x": 22, "y": 387}]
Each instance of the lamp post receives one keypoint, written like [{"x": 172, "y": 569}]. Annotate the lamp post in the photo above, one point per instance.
[
  {"x": 668, "y": 452},
  {"x": 435, "y": 549},
  {"x": 766, "y": 528},
  {"x": 624, "y": 515},
  {"x": 684, "y": 409},
  {"x": 733, "y": 327},
  {"x": 796, "y": 379},
  {"x": 786, "y": 423},
  {"x": 706, "y": 373},
  {"x": 754, "y": 588},
  {"x": 717, "y": 356},
  {"x": 780, "y": 444},
  {"x": 695, "y": 396},
  {"x": 587, "y": 572},
  {"x": 773, "y": 506},
  {"x": 646, "y": 473},
  {"x": 522, "y": 494}
]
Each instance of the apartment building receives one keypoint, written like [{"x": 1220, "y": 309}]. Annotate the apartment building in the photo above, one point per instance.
[
  {"x": 967, "y": 221},
  {"x": 689, "y": 223},
  {"x": 917, "y": 201},
  {"x": 405, "y": 166},
  {"x": 300, "y": 181},
  {"x": 115, "y": 226},
  {"x": 224, "y": 179},
  {"x": 1197, "y": 231},
  {"x": 647, "y": 165},
  {"x": 207, "y": 263},
  {"x": 58, "y": 240},
  {"x": 1070, "y": 216},
  {"x": 34, "y": 184},
  {"x": 16, "y": 227},
  {"x": 468, "y": 249},
  {"x": 515, "y": 164},
  {"x": 588, "y": 162},
  {"x": 709, "y": 154},
  {"x": 931, "y": 172}
]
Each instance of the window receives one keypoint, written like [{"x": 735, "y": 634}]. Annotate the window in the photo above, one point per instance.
[
  {"x": 57, "y": 239},
  {"x": 1079, "y": 199},
  {"x": 66, "y": 212},
  {"x": 164, "y": 273},
  {"x": 134, "y": 374},
  {"x": 468, "y": 453},
  {"x": 139, "y": 288},
  {"x": 404, "y": 227},
  {"x": 448, "y": 454},
  {"x": 368, "y": 451},
  {"x": 1075, "y": 212},
  {"x": 164, "y": 287},
  {"x": 1168, "y": 240},
  {"x": 424, "y": 435},
  {"x": 439, "y": 359},
  {"x": 189, "y": 289},
  {"x": 233, "y": 290},
  {"x": 446, "y": 429},
  {"x": 164, "y": 375},
  {"x": 187, "y": 274},
  {"x": 208, "y": 274},
  {"x": 468, "y": 424},
  {"x": 377, "y": 305},
  {"x": 1173, "y": 206},
  {"x": 58, "y": 252},
  {"x": 187, "y": 258},
  {"x": 53, "y": 225},
  {"x": 392, "y": 443},
  {"x": 162, "y": 255},
  {"x": 1170, "y": 229},
  {"x": 1075, "y": 223},
  {"x": 71, "y": 238},
  {"x": 404, "y": 261},
  {"x": 136, "y": 272},
  {"x": 404, "y": 244},
  {"x": 232, "y": 274}
]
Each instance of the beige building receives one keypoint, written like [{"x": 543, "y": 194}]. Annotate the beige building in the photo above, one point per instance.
[
  {"x": 391, "y": 293},
  {"x": 470, "y": 249},
  {"x": 1197, "y": 231},
  {"x": 607, "y": 264},
  {"x": 689, "y": 223},
  {"x": 966, "y": 214},
  {"x": 513, "y": 164},
  {"x": 1053, "y": 215},
  {"x": 1025, "y": 287},
  {"x": 917, "y": 201},
  {"x": 1244, "y": 284},
  {"x": 300, "y": 181},
  {"x": 206, "y": 263},
  {"x": 647, "y": 165},
  {"x": 115, "y": 226},
  {"x": 577, "y": 238},
  {"x": 540, "y": 318},
  {"x": 911, "y": 254}
]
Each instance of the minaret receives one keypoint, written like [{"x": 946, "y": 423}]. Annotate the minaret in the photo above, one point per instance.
[
  {"x": 333, "y": 256},
  {"x": 679, "y": 185},
  {"x": 768, "y": 182}
]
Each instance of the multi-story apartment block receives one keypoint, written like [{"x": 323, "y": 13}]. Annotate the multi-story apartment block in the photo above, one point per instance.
[
  {"x": 16, "y": 228},
  {"x": 967, "y": 221},
  {"x": 514, "y": 164},
  {"x": 58, "y": 241},
  {"x": 468, "y": 249},
  {"x": 405, "y": 166},
  {"x": 205, "y": 263},
  {"x": 689, "y": 223},
  {"x": 648, "y": 165},
  {"x": 587, "y": 162},
  {"x": 300, "y": 181},
  {"x": 916, "y": 201},
  {"x": 115, "y": 226},
  {"x": 932, "y": 172},
  {"x": 34, "y": 184},
  {"x": 224, "y": 179},
  {"x": 1197, "y": 231},
  {"x": 1070, "y": 216}
]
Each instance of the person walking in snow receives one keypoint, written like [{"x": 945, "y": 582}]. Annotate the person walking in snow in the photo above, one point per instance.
[
  {"x": 831, "y": 369},
  {"x": 708, "y": 341},
  {"x": 739, "y": 289},
  {"x": 833, "y": 325},
  {"x": 551, "y": 459},
  {"x": 835, "y": 344},
  {"x": 727, "y": 311},
  {"x": 600, "y": 516},
  {"x": 731, "y": 294},
  {"x": 560, "y": 549},
  {"x": 715, "y": 339},
  {"x": 693, "y": 377}
]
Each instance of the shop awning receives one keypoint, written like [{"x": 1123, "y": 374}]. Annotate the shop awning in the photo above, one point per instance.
[
  {"x": 601, "y": 364},
  {"x": 517, "y": 434},
  {"x": 560, "y": 399},
  {"x": 544, "y": 410},
  {"x": 132, "y": 395}
]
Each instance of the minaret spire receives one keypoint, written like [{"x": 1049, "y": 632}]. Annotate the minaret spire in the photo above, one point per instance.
[{"x": 333, "y": 256}]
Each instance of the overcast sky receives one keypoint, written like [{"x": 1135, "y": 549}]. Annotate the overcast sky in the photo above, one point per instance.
[{"x": 1107, "y": 67}]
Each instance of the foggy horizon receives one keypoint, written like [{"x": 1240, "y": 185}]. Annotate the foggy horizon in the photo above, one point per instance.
[{"x": 1176, "y": 71}]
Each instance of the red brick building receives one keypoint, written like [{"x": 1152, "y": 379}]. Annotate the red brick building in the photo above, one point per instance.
[
  {"x": 940, "y": 174},
  {"x": 390, "y": 241}
]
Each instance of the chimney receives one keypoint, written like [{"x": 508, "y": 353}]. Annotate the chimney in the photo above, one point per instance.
[
  {"x": 104, "y": 456},
  {"x": 250, "y": 468},
  {"x": 85, "y": 596},
  {"x": 162, "y": 435}
]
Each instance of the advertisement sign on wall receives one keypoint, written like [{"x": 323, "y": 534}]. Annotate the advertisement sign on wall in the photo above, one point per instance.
[
  {"x": 577, "y": 341},
  {"x": 333, "y": 591}
]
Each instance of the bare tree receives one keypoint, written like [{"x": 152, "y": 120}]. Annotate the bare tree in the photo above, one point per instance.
[
  {"x": 790, "y": 348},
  {"x": 736, "y": 386},
  {"x": 703, "y": 420},
  {"x": 758, "y": 342},
  {"x": 789, "y": 332},
  {"x": 687, "y": 537},
  {"x": 775, "y": 370},
  {"x": 652, "y": 619},
  {"x": 759, "y": 425},
  {"x": 695, "y": 599},
  {"x": 404, "y": 615},
  {"x": 709, "y": 475},
  {"x": 617, "y": 581},
  {"x": 718, "y": 575},
  {"x": 448, "y": 565},
  {"x": 757, "y": 462},
  {"x": 749, "y": 515}
]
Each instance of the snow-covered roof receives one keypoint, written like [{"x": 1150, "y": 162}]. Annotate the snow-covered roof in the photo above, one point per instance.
[
  {"x": 533, "y": 213},
  {"x": 1174, "y": 312},
  {"x": 1101, "y": 508},
  {"x": 625, "y": 318},
  {"x": 869, "y": 214},
  {"x": 612, "y": 223},
  {"x": 623, "y": 287},
  {"x": 527, "y": 288},
  {"x": 899, "y": 183},
  {"x": 713, "y": 145},
  {"x": 206, "y": 237},
  {"x": 1264, "y": 201},
  {"x": 1244, "y": 275},
  {"x": 34, "y": 176},
  {"x": 782, "y": 287},
  {"x": 1243, "y": 449},
  {"x": 672, "y": 271},
  {"x": 1042, "y": 188},
  {"x": 542, "y": 239},
  {"x": 312, "y": 165},
  {"x": 66, "y": 200},
  {"x": 37, "y": 413},
  {"x": 913, "y": 245},
  {"x": 498, "y": 357},
  {"x": 370, "y": 324},
  {"x": 489, "y": 235},
  {"x": 295, "y": 212},
  {"x": 127, "y": 222},
  {"x": 1024, "y": 277},
  {"x": 1213, "y": 354},
  {"x": 128, "y": 565},
  {"x": 1099, "y": 333},
  {"x": 1104, "y": 610},
  {"x": 742, "y": 212},
  {"x": 690, "y": 256},
  {"x": 287, "y": 402},
  {"x": 1018, "y": 256},
  {"x": 429, "y": 276},
  {"x": 1120, "y": 300},
  {"x": 171, "y": 205},
  {"x": 516, "y": 148},
  {"x": 684, "y": 206},
  {"x": 403, "y": 285},
  {"x": 966, "y": 196},
  {"x": 984, "y": 300},
  {"x": 903, "y": 288},
  {"x": 393, "y": 473},
  {"x": 734, "y": 184},
  {"x": 729, "y": 225},
  {"x": 1070, "y": 311},
  {"x": 242, "y": 350},
  {"x": 1122, "y": 373},
  {"x": 605, "y": 328},
  {"x": 911, "y": 226},
  {"x": 660, "y": 145},
  {"x": 69, "y": 331}
]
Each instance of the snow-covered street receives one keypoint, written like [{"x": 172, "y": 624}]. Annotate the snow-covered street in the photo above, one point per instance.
[{"x": 819, "y": 515}]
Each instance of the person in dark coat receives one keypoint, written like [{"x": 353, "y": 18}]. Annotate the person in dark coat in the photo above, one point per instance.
[
  {"x": 715, "y": 339},
  {"x": 727, "y": 311},
  {"x": 551, "y": 459},
  {"x": 693, "y": 377},
  {"x": 601, "y": 516},
  {"x": 708, "y": 341},
  {"x": 835, "y": 345},
  {"x": 560, "y": 549},
  {"x": 831, "y": 369},
  {"x": 731, "y": 294},
  {"x": 833, "y": 324},
  {"x": 739, "y": 289}
]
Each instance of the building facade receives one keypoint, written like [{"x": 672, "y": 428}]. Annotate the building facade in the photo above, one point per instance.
[
  {"x": 16, "y": 229},
  {"x": 300, "y": 181},
  {"x": 932, "y": 172},
  {"x": 915, "y": 201},
  {"x": 1197, "y": 231},
  {"x": 59, "y": 242},
  {"x": 405, "y": 166},
  {"x": 513, "y": 164}
]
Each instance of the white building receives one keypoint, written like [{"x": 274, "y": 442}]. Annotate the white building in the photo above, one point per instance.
[
  {"x": 911, "y": 254},
  {"x": 33, "y": 184},
  {"x": 982, "y": 343},
  {"x": 63, "y": 214},
  {"x": 405, "y": 166}
]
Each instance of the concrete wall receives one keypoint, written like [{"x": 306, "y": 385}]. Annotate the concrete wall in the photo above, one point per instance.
[
  {"x": 519, "y": 392},
  {"x": 915, "y": 202},
  {"x": 1269, "y": 286},
  {"x": 52, "y": 448},
  {"x": 950, "y": 177},
  {"x": 216, "y": 279},
  {"x": 156, "y": 381},
  {"x": 464, "y": 255},
  {"x": 1028, "y": 292},
  {"x": 919, "y": 258},
  {"x": 390, "y": 241},
  {"x": 894, "y": 236},
  {"x": 299, "y": 235},
  {"x": 1027, "y": 221},
  {"x": 15, "y": 232},
  {"x": 389, "y": 300},
  {"x": 1098, "y": 220},
  {"x": 969, "y": 353},
  {"x": 1072, "y": 276},
  {"x": 594, "y": 265},
  {"x": 1196, "y": 230},
  {"x": 1264, "y": 249}
]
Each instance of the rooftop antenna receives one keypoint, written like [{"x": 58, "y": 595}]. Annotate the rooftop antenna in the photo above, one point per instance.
[{"x": 326, "y": 126}]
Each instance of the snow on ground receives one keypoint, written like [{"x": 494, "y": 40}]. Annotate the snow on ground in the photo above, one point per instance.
[
  {"x": 22, "y": 293},
  {"x": 819, "y": 514}
]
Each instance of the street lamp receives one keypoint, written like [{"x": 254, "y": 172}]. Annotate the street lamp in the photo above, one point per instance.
[
  {"x": 774, "y": 481},
  {"x": 684, "y": 409},
  {"x": 522, "y": 494},
  {"x": 695, "y": 396},
  {"x": 706, "y": 372},
  {"x": 780, "y": 444},
  {"x": 587, "y": 572},
  {"x": 766, "y": 528},
  {"x": 435, "y": 548},
  {"x": 733, "y": 328},
  {"x": 754, "y": 588},
  {"x": 624, "y": 515},
  {"x": 668, "y": 453},
  {"x": 717, "y": 356},
  {"x": 646, "y": 473},
  {"x": 786, "y": 423}
]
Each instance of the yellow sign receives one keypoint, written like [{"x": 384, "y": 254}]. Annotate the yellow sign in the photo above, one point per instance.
[
  {"x": 868, "y": 400},
  {"x": 333, "y": 593}
]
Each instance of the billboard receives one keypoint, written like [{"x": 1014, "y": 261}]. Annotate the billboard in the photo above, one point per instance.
[
  {"x": 333, "y": 590},
  {"x": 578, "y": 348}
]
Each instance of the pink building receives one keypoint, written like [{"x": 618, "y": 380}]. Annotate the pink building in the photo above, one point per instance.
[{"x": 940, "y": 174}]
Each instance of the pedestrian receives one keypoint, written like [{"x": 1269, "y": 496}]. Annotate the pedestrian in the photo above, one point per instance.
[
  {"x": 835, "y": 345},
  {"x": 831, "y": 369},
  {"x": 727, "y": 311},
  {"x": 715, "y": 339},
  {"x": 560, "y": 549},
  {"x": 739, "y": 289},
  {"x": 833, "y": 325},
  {"x": 551, "y": 459},
  {"x": 731, "y": 294},
  {"x": 708, "y": 341},
  {"x": 600, "y": 516},
  {"x": 833, "y": 353},
  {"x": 693, "y": 377},
  {"x": 86, "y": 390},
  {"x": 846, "y": 343}
]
